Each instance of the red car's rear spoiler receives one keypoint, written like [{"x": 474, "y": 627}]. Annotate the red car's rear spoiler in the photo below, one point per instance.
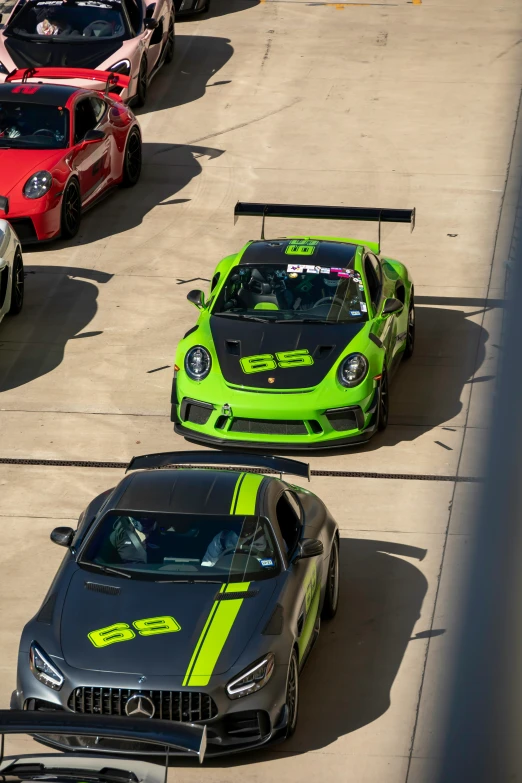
[{"x": 110, "y": 78}]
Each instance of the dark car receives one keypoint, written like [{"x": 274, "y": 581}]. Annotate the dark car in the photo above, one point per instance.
[{"x": 192, "y": 594}]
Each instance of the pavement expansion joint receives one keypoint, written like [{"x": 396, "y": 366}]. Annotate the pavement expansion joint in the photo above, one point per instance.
[{"x": 77, "y": 463}]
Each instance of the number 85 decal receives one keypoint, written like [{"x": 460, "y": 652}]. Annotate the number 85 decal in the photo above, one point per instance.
[
  {"x": 267, "y": 361},
  {"x": 122, "y": 632}
]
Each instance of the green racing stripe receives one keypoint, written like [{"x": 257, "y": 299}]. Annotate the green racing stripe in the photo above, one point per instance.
[{"x": 224, "y": 612}]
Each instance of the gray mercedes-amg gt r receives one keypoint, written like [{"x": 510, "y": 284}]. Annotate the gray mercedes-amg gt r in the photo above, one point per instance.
[{"x": 187, "y": 593}]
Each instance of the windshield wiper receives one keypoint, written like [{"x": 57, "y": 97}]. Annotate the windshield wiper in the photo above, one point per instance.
[
  {"x": 244, "y": 317},
  {"x": 105, "y": 569},
  {"x": 189, "y": 581}
]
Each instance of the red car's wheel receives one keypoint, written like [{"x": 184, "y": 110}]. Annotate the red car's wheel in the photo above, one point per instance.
[
  {"x": 132, "y": 160},
  {"x": 71, "y": 210}
]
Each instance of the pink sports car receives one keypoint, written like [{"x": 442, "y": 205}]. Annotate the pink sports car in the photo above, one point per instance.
[{"x": 129, "y": 37}]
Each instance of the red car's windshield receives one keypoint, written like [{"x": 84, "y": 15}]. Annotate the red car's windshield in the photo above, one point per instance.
[{"x": 33, "y": 126}]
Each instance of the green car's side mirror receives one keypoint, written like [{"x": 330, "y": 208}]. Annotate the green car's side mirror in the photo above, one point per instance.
[
  {"x": 392, "y": 306},
  {"x": 197, "y": 298}
]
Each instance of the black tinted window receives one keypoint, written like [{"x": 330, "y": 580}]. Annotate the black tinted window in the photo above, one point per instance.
[
  {"x": 32, "y": 126},
  {"x": 184, "y": 546},
  {"x": 84, "y": 119},
  {"x": 99, "y": 108},
  {"x": 288, "y": 520}
]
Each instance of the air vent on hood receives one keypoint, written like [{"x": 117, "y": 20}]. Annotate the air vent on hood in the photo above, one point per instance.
[
  {"x": 97, "y": 588},
  {"x": 45, "y": 615},
  {"x": 235, "y": 596},
  {"x": 323, "y": 351},
  {"x": 233, "y": 347}
]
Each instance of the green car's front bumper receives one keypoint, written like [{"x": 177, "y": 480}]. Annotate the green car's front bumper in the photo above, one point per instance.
[{"x": 257, "y": 420}]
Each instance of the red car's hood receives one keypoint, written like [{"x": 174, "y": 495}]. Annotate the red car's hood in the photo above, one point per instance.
[{"x": 17, "y": 166}]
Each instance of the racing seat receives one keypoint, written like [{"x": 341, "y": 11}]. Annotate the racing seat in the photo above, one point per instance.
[
  {"x": 98, "y": 29},
  {"x": 256, "y": 291}
]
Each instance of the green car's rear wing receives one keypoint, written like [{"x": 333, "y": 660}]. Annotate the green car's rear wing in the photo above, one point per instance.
[
  {"x": 310, "y": 212},
  {"x": 220, "y": 459}
]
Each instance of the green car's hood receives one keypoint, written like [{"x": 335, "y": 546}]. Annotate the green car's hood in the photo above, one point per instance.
[{"x": 234, "y": 340}]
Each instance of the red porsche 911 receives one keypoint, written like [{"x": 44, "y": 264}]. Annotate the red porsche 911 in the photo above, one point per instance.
[{"x": 61, "y": 150}]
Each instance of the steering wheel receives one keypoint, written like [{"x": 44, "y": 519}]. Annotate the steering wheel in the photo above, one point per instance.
[
  {"x": 43, "y": 132},
  {"x": 327, "y": 300}
]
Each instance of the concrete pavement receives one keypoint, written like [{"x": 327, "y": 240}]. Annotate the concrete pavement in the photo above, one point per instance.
[{"x": 389, "y": 104}]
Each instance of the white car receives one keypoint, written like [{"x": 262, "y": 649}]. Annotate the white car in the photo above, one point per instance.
[{"x": 11, "y": 271}]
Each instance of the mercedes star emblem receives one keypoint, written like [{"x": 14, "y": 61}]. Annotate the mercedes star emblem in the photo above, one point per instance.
[{"x": 139, "y": 704}]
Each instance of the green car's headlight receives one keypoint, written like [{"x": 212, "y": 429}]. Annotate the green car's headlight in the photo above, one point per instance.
[
  {"x": 198, "y": 363},
  {"x": 352, "y": 370},
  {"x": 43, "y": 669},
  {"x": 252, "y": 679}
]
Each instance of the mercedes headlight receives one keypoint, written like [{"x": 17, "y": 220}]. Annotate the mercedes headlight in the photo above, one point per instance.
[
  {"x": 252, "y": 679},
  {"x": 43, "y": 669},
  {"x": 38, "y": 185},
  {"x": 122, "y": 66},
  {"x": 352, "y": 370},
  {"x": 198, "y": 363}
]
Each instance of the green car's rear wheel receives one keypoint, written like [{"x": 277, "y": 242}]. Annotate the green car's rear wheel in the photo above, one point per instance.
[
  {"x": 292, "y": 694},
  {"x": 382, "y": 421},
  {"x": 410, "y": 335}
]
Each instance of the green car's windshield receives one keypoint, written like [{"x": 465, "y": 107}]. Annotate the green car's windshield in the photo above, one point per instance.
[
  {"x": 292, "y": 292},
  {"x": 166, "y": 546}
]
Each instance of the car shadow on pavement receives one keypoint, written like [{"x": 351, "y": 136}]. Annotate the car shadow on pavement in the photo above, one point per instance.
[
  {"x": 197, "y": 61},
  {"x": 347, "y": 680},
  {"x": 167, "y": 170},
  {"x": 426, "y": 391},
  {"x": 59, "y": 303},
  {"x": 221, "y": 8}
]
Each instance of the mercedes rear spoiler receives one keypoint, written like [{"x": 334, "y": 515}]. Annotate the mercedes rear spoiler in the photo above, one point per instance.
[
  {"x": 170, "y": 736},
  {"x": 310, "y": 212},
  {"x": 109, "y": 78},
  {"x": 220, "y": 459}
]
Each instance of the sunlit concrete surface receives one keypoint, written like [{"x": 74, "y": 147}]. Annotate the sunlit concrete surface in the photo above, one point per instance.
[{"x": 393, "y": 104}]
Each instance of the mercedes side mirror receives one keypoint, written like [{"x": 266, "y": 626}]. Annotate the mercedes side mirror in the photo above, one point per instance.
[
  {"x": 392, "y": 306},
  {"x": 197, "y": 298},
  {"x": 62, "y": 536},
  {"x": 150, "y": 24},
  {"x": 309, "y": 547}
]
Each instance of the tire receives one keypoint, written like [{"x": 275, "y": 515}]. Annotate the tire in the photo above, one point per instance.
[
  {"x": 132, "y": 159},
  {"x": 71, "y": 210},
  {"x": 292, "y": 694},
  {"x": 143, "y": 83},
  {"x": 382, "y": 421},
  {"x": 17, "y": 285},
  {"x": 331, "y": 598},
  {"x": 410, "y": 334},
  {"x": 171, "y": 41}
]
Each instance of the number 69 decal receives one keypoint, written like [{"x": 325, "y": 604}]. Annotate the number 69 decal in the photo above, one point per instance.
[
  {"x": 122, "y": 632},
  {"x": 267, "y": 361}
]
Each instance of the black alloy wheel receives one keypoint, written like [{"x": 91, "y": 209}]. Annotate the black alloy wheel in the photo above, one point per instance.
[
  {"x": 171, "y": 41},
  {"x": 143, "y": 83},
  {"x": 292, "y": 694},
  {"x": 71, "y": 210},
  {"x": 17, "y": 285},
  {"x": 410, "y": 335},
  {"x": 382, "y": 421},
  {"x": 132, "y": 160},
  {"x": 331, "y": 598}
]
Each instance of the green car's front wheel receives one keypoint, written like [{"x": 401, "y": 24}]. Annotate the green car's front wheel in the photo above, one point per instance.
[
  {"x": 331, "y": 599},
  {"x": 382, "y": 421}
]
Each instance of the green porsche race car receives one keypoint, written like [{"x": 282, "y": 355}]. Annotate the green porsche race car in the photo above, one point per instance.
[{"x": 299, "y": 338}]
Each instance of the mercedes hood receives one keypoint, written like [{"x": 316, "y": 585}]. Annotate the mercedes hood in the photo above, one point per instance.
[{"x": 103, "y": 629}]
